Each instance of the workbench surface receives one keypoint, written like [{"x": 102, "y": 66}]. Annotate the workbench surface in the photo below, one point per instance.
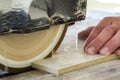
[{"x": 105, "y": 71}]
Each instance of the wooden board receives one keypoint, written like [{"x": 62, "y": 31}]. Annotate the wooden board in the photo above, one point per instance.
[
  {"x": 70, "y": 56},
  {"x": 70, "y": 62}
]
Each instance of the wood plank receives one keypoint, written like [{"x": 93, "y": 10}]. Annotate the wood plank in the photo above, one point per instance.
[{"x": 71, "y": 62}]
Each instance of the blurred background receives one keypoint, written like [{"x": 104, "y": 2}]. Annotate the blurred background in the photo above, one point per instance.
[{"x": 104, "y": 5}]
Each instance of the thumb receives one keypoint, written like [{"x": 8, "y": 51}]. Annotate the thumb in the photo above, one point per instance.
[{"x": 85, "y": 33}]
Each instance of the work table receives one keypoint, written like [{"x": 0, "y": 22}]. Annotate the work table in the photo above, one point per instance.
[{"x": 105, "y": 71}]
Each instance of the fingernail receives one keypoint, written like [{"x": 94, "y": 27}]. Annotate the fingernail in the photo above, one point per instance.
[
  {"x": 91, "y": 50},
  {"x": 105, "y": 51}
]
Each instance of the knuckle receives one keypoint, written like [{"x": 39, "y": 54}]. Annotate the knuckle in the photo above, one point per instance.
[
  {"x": 110, "y": 30},
  {"x": 99, "y": 40},
  {"x": 99, "y": 28},
  {"x": 113, "y": 44},
  {"x": 118, "y": 35}
]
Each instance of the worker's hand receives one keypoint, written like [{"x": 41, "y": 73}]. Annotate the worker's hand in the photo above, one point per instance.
[{"x": 103, "y": 38}]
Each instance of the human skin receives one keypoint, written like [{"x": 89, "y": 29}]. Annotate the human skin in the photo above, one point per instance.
[{"x": 104, "y": 38}]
